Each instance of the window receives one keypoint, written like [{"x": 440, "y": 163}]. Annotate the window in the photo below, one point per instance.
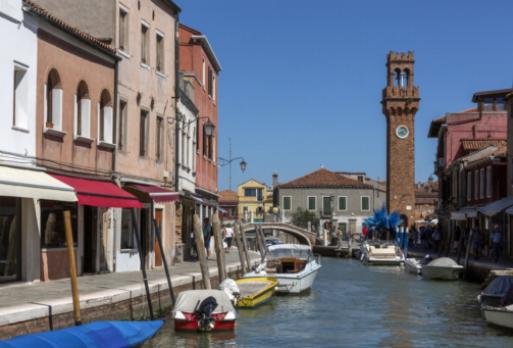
[
  {"x": 145, "y": 44},
  {"x": 194, "y": 146},
  {"x": 342, "y": 203},
  {"x": 53, "y": 101},
  {"x": 82, "y": 111},
  {"x": 159, "y": 138},
  {"x": 469, "y": 186},
  {"x": 210, "y": 81},
  {"x": 52, "y": 223},
  {"x": 106, "y": 118},
  {"x": 123, "y": 30},
  {"x": 203, "y": 72},
  {"x": 489, "y": 182},
  {"x": 143, "y": 134},
  {"x": 122, "y": 124},
  {"x": 312, "y": 203},
  {"x": 365, "y": 203},
  {"x": 250, "y": 192},
  {"x": 20, "y": 97},
  {"x": 476, "y": 184},
  {"x": 160, "y": 53},
  {"x": 481, "y": 183},
  {"x": 326, "y": 205},
  {"x": 127, "y": 233},
  {"x": 287, "y": 203},
  {"x": 214, "y": 88}
]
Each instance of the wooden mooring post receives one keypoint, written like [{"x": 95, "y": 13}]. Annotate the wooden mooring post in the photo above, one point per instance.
[
  {"x": 245, "y": 248},
  {"x": 260, "y": 242},
  {"x": 238, "y": 241},
  {"x": 202, "y": 254},
  {"x": 164, "y": 260},
  {"x": 218, "y": 244},
  {"x": 72, "y": 267}
]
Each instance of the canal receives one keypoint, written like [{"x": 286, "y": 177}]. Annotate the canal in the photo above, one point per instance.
[{"x": 352, "y": 305}]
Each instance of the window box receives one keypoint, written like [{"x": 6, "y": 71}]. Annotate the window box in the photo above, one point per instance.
[
  {"x": 106, "y": 146},
  {"x": 54, "y": 134}
]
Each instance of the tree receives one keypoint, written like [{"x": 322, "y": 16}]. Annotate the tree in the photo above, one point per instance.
[{"x": 301, "y": 218}]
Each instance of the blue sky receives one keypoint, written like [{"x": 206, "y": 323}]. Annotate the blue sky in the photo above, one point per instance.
[{"x": 301, "y": 81}]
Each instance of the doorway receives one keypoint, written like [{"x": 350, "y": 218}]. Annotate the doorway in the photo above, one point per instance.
[
  {"x": 10, "y": 241},
  {"x": 158, "y": 252},
  {"x": 145, "y": 235},
  {"x": 90, "y": 238}
]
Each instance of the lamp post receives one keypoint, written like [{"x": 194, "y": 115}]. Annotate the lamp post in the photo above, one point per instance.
[{"x": 223, "y": 162}]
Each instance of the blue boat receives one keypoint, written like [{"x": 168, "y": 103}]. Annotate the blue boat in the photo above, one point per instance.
[{"x": 100, "y": 334}]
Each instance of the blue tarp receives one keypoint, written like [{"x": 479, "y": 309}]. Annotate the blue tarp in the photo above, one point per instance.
[
  {"x": 101, "y": 334},
  {"x": 499, "y": 286}
]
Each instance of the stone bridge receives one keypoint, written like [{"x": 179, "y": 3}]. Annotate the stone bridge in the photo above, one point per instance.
[{"x": 303, "y": 236}]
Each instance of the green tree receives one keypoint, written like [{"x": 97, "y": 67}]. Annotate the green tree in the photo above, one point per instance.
[{"x": 301, "y": 218}]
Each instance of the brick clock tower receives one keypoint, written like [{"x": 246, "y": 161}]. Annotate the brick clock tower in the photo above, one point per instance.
[{"x": 400, "y": 104}]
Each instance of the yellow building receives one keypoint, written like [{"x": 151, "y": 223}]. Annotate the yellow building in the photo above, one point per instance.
[{"x": 255, "y": 200}]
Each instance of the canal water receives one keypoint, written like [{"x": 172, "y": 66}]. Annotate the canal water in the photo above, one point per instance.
[{"x": 352, "y": 305}]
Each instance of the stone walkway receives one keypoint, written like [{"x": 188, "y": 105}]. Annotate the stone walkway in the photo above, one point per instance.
[{"x": 27, "y": 301}]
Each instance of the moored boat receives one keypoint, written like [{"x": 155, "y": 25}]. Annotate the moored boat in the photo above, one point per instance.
[
  {"x": 256, "y": 291},
  {"x": 204, "y": 310},
  {"x": 501, "y": 316},
  {"x": 442, "y": 268},
  {"x": 293, "y": 265},
  {"x": 100, "y": 334},
  {"x": 498, "y": 293},
  {"x": 384, "y": 254}
]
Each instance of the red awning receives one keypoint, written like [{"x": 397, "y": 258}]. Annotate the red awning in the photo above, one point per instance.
[
  {"x": 101, "y": 194},
  {"x": 155, "y": 193}
]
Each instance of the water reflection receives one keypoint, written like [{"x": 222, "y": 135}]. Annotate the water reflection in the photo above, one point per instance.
[{"x": 356, "y": 306}]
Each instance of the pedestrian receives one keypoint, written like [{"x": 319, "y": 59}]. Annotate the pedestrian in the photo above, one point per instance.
[
  {"x": 365, "y": 231},
  {"x": 228, "y": 236},
  {"x": 496, "y": 242},
  {"x": 207, "y": 234}
]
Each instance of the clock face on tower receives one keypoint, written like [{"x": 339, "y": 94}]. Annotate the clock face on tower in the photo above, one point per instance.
[{"x": 402, "y": 132}]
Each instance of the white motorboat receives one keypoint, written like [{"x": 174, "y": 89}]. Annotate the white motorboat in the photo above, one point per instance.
[
  {"x": 501, "y": 316},
  {"x": 412, "y": 265},
  {"x": 386, "y": 254},
  {"x": 498, "y": 292},
  {"x": 442, "y": 268},
  {"x": 293, "y": 265}
]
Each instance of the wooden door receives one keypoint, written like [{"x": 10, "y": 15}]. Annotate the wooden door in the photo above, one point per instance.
[{"x": 158, "y": 252}]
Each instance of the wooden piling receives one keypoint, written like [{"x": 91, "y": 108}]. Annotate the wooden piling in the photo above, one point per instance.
[
  {"x": 467, "y": 252},
  {"x": 245, "y": 248},
  {"x": 218, "y": 244},
  {"x": 137, "y": 239},
  {"x": 260, "y": 244},
  {"x": 202, "y": 255},
  {"x": 72, "y": 267},
  {"x": 164, "y": 260},
  {"x": 238, "y": 241}
]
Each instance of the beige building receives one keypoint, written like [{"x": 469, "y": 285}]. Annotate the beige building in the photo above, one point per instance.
[{"x": 144, "y": 34}]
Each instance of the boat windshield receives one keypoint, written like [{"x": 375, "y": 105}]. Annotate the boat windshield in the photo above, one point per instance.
[{"x": 279, "y": 253}]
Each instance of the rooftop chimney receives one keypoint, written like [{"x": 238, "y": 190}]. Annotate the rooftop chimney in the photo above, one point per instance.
[{"x": 275, "y": 180}]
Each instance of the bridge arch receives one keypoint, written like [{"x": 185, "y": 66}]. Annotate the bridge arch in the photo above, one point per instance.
[{"x": 302, "y": 236}]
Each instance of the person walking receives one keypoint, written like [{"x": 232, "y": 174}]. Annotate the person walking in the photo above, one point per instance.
[
  {"x": 496, "y": 242},
  {"x": 207, "y": 234},
  {"x": 228, "y": 236}
]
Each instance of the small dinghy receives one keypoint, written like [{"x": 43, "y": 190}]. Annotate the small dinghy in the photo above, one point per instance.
[
  {"x": 204, "y": 310},
  {"x": 498, "y": 293},
  {"x": 255, "y": 291},
  {"x": 442, "y": 268},
  {"x": 100, "y": 334},
  {"x": 381, "y": 254}
]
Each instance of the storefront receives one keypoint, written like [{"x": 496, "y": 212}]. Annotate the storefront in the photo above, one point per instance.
[{"x": 22, "y": 191}]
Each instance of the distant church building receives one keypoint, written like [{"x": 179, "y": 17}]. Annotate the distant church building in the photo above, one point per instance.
[{"x": 400, "y": 104}]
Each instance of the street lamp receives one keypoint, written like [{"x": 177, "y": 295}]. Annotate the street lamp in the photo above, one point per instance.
[
  {"x": 209, "y": 127},
  {"x": 222, "y": 162}
]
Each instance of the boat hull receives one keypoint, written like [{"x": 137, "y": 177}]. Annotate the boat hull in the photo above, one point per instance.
[
  {"x": 192, "y": 325},
  {"x": 441, "y": 273},
  {"x": 499, "y": 316},
  {"x": 376, "y": 261}
]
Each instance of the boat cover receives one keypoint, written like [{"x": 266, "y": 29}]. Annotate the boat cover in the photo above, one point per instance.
[
  {"x": 290, "y": 250},
  {"x": 100, "y": 334},
  {"x": 188, "y": 301},
  {"x": 499, "y": 286},
  {"x": 443, "y": 262}
]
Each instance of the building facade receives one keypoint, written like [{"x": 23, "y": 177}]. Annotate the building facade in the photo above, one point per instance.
[
  {"x": 253, "y": 199},
  {"x": 228, "y": 206},
  {"x": 331, "y": 197},
  {"x": 400, "y": 104},
  {"x": 199, "y": 64}
]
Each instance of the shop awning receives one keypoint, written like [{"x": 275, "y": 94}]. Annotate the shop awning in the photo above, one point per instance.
[
  {"x": 26, "y": 183},
  {"x": 154, "y": 193},
  {"x": 464, "y": 213},
  {"x": 496, "y": 207},
  {"x": 96, "y": 193}
]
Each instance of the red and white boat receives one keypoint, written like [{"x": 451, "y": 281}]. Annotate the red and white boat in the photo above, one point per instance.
[{"x": 204, "y": 310}]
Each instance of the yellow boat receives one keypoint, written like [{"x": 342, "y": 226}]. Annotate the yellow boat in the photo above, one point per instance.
[{"x": 255, "y": 291}]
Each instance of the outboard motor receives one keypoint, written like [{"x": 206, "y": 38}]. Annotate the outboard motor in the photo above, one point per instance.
[{"x": 204, "y": 312}]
